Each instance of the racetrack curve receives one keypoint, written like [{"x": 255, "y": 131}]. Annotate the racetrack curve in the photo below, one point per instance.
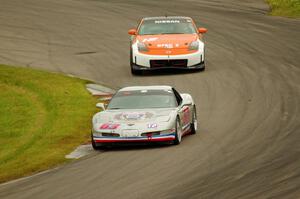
[{"x": 248, "y": 144}]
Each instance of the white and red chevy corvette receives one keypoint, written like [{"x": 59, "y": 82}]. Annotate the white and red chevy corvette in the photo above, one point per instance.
[{"x": 143, "y": 114}]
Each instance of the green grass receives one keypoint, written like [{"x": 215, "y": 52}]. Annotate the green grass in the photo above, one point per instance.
[
  {"x": 288, "y": 8},
  {"x": 44, "y": 116}
]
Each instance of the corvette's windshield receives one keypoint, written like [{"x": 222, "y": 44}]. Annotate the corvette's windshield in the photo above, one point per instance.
[
  {"x": 166, "y": 26},
  {"x": 142, "y": 99}
]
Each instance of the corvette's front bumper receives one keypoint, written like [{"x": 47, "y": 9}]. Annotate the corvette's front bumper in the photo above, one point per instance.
[{"x": 156, "y": 138}]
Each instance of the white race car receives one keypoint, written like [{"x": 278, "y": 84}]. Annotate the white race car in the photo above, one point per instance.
[
  {"x": 144, "y": 114},
  {"x": 166, "y": 42}
]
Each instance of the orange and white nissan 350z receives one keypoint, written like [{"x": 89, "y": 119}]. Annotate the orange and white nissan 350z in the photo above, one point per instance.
[{"x": 166, "y": 42}]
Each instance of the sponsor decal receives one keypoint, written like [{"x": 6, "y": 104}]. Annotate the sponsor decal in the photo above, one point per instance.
[
  {"x": 166, "y": 21},
  {"x": 109, "y": 126},
  {"x": 133, "y": 116},
  {"x": 167, "y": 45},
  {"x": 151, "y": 126},
  {"x": 150, "y": 39}
]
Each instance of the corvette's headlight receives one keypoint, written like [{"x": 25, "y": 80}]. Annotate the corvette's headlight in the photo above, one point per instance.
[
  {"x": 142, "y": 47},
  {"x": 169, "y": 131},
  {"x": 194, "y": 45},
  {"x": 97, "y": 133}
]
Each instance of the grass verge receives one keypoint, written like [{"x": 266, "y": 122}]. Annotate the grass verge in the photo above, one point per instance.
[
  {"x": 44, "y": 116},
  {"x": 287, "y": 8}
]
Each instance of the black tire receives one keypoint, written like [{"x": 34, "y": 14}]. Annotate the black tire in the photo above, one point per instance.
[
  {"x": 95, "y": 147},
  {"x": 193, "y": 127},
  {"x": 202, "y": 69},
  {"x": 134, "y": 72},
  {"x": 177, "y": 137}
]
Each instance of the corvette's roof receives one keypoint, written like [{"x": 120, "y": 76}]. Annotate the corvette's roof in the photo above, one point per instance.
[
  {"x": 134, "y": 88},
  {"x": 166, "y": 17}
]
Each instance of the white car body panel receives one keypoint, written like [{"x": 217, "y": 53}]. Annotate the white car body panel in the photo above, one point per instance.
[{"x": 135, "y": 124}]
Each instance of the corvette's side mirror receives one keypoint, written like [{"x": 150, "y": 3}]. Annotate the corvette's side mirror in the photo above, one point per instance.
[
  {"x": 186, "y": 103},
  {"x": 202, "y": 30},
  {"x": 100, "y": 105},
  {"x": 132, "y": 31}
]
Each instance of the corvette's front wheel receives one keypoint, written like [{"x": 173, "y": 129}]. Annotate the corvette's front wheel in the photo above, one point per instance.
[
  {"x": 178, "y": 132},
  {"x": 95, "y": 147}
]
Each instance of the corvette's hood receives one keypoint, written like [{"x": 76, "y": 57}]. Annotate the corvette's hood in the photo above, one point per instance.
[
  {"x": 134, "y": 116},
  {"x": 167, "y": 44}
]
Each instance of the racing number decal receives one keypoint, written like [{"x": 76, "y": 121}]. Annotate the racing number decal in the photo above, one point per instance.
[
  {"x": 109, "y": 126},
  {"x": 186, "y": 115}
]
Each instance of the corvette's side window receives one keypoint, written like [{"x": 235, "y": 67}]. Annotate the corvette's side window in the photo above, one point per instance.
[{"x": 178, "y": 97}]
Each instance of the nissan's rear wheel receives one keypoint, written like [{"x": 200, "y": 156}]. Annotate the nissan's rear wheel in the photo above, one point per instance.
[
  {"x": 178, "y": 133},
  {"x": 194, "y": 121}
]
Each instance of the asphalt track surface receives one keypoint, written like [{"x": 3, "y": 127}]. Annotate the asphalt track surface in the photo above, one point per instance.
[{"x": 248, "y": 144}]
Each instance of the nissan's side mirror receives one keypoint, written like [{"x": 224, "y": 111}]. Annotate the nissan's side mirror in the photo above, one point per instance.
[
  {"x": 202, "y": 30},
  {"x": 132, "y": 31},
  {"x": 100, "y": 105}
]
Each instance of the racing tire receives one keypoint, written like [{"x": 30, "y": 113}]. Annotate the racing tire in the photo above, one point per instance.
[
  {"x": 134, "y": 72},
  {"x": 203, "y": 69},
  {"x": 194, "y": 121},
  {"x": 178, "y": 133},
  {"x": 95, "y": 147}
]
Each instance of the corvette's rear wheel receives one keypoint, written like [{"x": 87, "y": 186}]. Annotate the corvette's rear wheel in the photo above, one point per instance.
[
  {"x": 194, "y": 121},
  {"x": 178, "y": 133}
]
